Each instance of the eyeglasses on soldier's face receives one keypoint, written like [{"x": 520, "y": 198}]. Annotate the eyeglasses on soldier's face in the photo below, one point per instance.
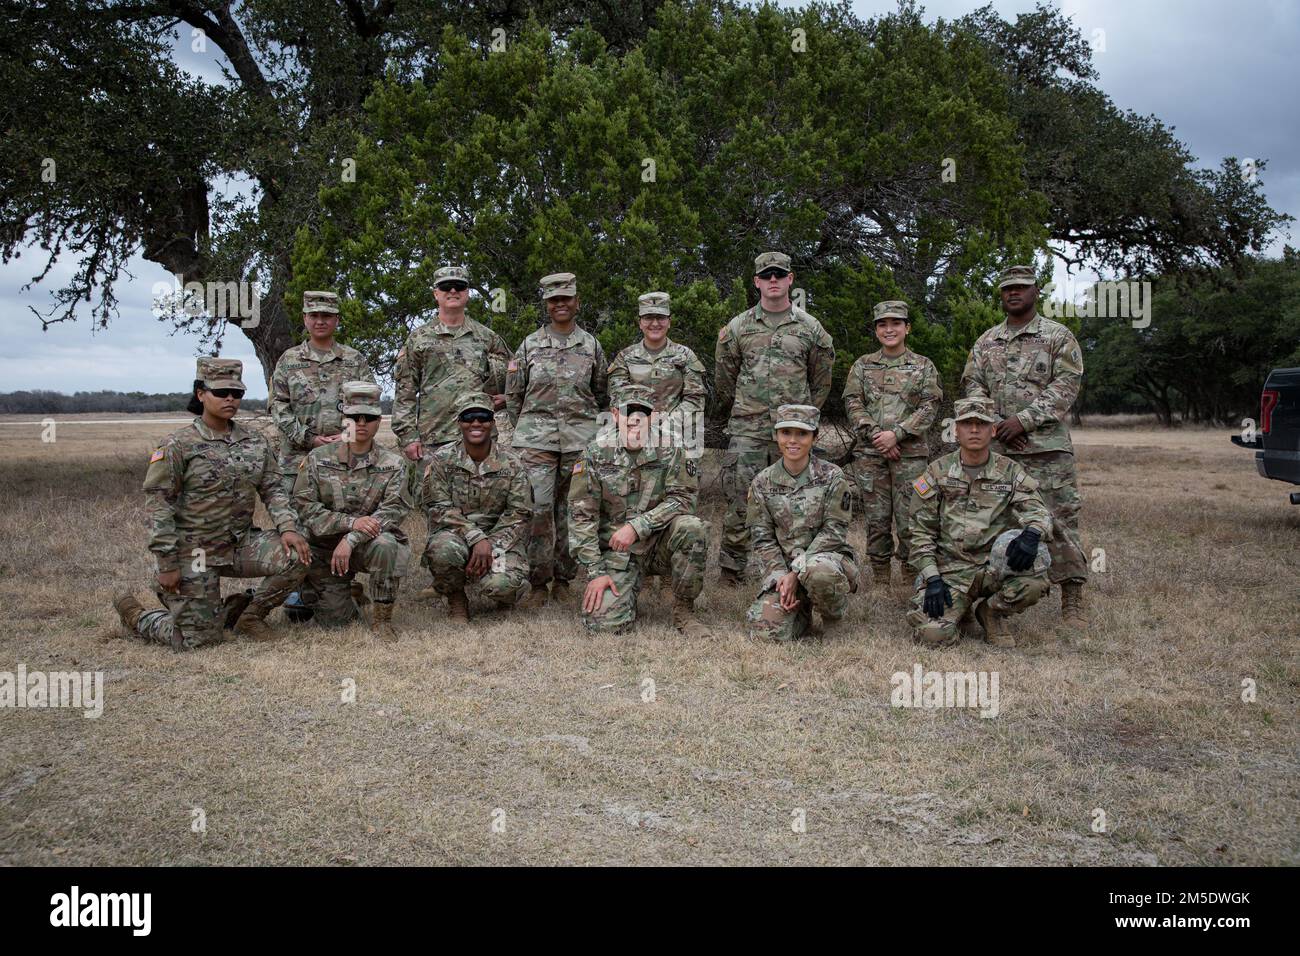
[
  {"x": 227, "y": 392},
  {"x": 773, "y": 274},
  {"x": 476, "y": 418},
  {"x": 452, "y": 286},
  {"x": 363, "y": 419}
]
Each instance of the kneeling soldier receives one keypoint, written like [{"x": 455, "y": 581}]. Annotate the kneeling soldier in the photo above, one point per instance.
[
  {"x": 353, "y": 498},
  {"x": 961, "y": 504},
  {"x": 631, "y": 514},
  {"x": 799, "y": 514},
  {"x": 479, "y": 506}
]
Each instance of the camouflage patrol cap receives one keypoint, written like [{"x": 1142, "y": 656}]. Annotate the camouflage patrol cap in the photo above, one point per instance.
[
  {"x": 1018, "y": 275},
  {"x": 966, "y": 408},
  {"x": 891, "y": 308},
  {"x": 634, "y": 395},
  {"x": 998, "y": 556},
  {"x": 451, "y": 274},
  {"x": 320, "y": 302},
  {"x": 559, "y": 283},
  {"x": 216, "y": 372},
  {"x": 474, "y": 401},
  {"x": 772, "y": 260},
  {"x": 653, "y": 303},
  {"x": 359, "y": 398},
  {"x": 807, "y": 417}
]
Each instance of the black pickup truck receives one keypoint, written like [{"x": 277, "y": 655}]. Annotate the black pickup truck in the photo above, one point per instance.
[{"x": 1277, "y": 434}]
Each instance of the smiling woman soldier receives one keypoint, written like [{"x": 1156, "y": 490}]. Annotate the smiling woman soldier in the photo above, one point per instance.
[{"x": 203, "y": 484}]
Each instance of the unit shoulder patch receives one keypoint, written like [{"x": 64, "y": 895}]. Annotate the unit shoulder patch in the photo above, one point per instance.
[{"x": 923, "y": 487}]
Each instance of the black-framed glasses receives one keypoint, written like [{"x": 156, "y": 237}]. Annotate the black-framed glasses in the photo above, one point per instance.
[
  {"x": 477, "y": 417},
  {"x": 227, "y": 392},
  {"x": 364, "y": 419},
  {"x": 453, "y": 286}
]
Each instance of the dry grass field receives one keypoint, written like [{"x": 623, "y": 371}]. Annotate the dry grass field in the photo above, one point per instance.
[{"x": 522, "y": 739}]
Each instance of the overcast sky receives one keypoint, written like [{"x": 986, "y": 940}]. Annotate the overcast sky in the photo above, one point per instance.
[{"x": 1224, "y": 75}]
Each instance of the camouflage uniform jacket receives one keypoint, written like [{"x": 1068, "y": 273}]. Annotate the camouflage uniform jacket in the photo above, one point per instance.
[
  {"x": 330, "y": 491},
  {"x": 555, "y": 386},
  {"x": 305, "y": 396},
  {"x": 674, "y": 374},
  {"x": 437, "y": 365},
  {"x": 613, "y": 486},
  {"x": 805, "y": 514},
  {"x": 491, "y": 499},
  {"x": 1033, "y": 373},
  {"x": 955, "y": 520},
  {"x": 900, "y": 394},
  {"x": 203, "y": 487},
  {"x": 764, "y": 360}
]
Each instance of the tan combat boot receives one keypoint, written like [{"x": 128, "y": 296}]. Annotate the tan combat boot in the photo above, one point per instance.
[
  {"x": 686, "y": 622},
  {"x": 995, "y": 625},
  {"x": 1072, "y": 614},
  {"x": 537, "y": 600},
  {"x": 730, "y": 578},
  {"x": 381, "y": 623},
  {"x": 458, "y": 606},
  {"x": 428, "y": 594},
  {"x": 252, "y": 623},
  {"x": 128, "y": 610},
  {"x": 233, "y": 606},
  {"x": 881, "y": 572},
  {"x": 358, "y": 594},
  {"x": 560, "y": 593}
]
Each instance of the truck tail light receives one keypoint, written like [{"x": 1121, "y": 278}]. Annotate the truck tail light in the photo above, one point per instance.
[{"x": 1268, "y": 400}]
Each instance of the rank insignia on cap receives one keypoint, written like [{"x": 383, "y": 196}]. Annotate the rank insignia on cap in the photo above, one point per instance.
[
  {"x": 923, "y": 487},
  {"x": 157, "y": 456}
]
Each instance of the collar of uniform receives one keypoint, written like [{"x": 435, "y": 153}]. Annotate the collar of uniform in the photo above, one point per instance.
[
  {"x": 562, "y": 342},
  {"x": 988, "y": 471},
  {"x": 786, "y": 480},
  {"x": 1032, "y": 326},
  {"x": 316, "y": 355},
  {"x": 881, "y": 358},
  {"x": 773, "y": 320},
  {"x": 234, "y": 434},
  {"x": 491, "y": 463},
  {"x": 455, "y": 331},
  {"x": 360, "y": 461},
  {"x": 641, "y": 349}
]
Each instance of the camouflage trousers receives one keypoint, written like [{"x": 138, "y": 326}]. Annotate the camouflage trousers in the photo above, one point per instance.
[
  {"x": 825, "y": 584},
  {"x": 1057, "y": 483},
  {"x": 550, "y": 473},
  {"x": 384, "y": 558},
  {"x": 969, "y": 585},
  {"x": 446, "y": 554},
  {"x": 885, "y": 494},
  {"x": 195, "y": 611},
  {"x": 681, "y": 549},
  {"x": 743, "y": 460}
]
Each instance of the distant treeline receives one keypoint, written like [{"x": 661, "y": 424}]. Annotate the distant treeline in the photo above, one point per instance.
[{"x": 42, "y": 402}]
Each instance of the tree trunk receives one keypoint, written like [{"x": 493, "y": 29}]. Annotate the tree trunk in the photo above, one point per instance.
[{"x": 273, "y": 334}]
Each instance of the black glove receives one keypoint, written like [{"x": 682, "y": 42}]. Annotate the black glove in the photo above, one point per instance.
[
  {"x": 936, "y": 596},
  {"x": 1022, "y": 551}
]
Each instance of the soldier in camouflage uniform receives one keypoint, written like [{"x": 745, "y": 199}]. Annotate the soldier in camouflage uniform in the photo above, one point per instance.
[
  {"x": 891, "y": 397},
  {"x": 961, "y": 503},
  {"x": 479, "y": 504},
  {"x": 632, "y": 514},
  {"x": 556, "y": 385},
  {"x": 202, "y": 485},
  {"x": 799, "y": 512},
  {"x": 305, "y": 385},
  {"x": 353, "y": 498},
  {"x": 1031, "y": 368},
  {"x": 440, "y": 362},
  {"x": 672, "y": 371},
  {"x": 770, "y": 355}
]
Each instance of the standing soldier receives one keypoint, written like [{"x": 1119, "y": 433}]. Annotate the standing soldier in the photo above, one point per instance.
[
  {"x": 1031, "y": 368},
  {"x": 479, "y": 506},
  {"x": 799, "y": 514},
  {"x": 961, "y": 505},
  {"x": 202, "y": 486},
  {"x": 353, "y": 498},
  {"x": 555, "y": 386},
  {"x": 632, "y": 514},
  {"x": 892, "y": 397},
  {"x": 773, "y": 354},
  {"x": 305, "y": 385},
  {"x": 672, "y": 372},
  {"x": 440, "y": 362}
]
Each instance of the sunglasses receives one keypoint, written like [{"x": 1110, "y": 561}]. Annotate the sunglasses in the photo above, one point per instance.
[
  {"x": 227, "y": 392},
  {"x": 477, "y": 418},
  {"x": 773, "y": 274},
  {"x": 364, "y": 419},
  {"x": 453, "y": 286}
]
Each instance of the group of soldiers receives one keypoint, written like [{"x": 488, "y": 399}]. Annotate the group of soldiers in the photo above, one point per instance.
[{"x": 601, "y": 476}]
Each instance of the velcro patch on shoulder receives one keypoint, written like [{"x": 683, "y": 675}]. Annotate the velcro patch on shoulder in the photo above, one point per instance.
[
  {"x": 512, "y": 366},
  {"x": 722, "y": 333},
  {"x": 157, "y": 456},
  {"x": 923, "y": 487},
  {"x": 578, "y": 467}
]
